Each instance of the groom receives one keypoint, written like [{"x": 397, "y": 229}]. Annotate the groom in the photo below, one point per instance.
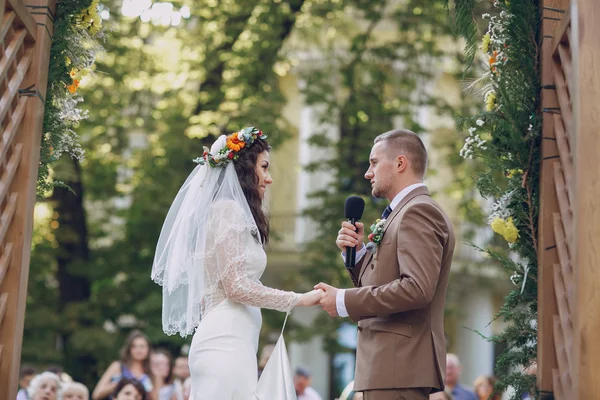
[{"x": 401, "y": 284}]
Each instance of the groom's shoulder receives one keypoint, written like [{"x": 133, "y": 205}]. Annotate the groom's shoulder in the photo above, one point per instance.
[
  {"x": 428, "y": 208},
  {"x": 425, "y": 204}
]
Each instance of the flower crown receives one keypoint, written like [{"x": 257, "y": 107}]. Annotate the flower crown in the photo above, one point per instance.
[{"x": 233, "y": 145}]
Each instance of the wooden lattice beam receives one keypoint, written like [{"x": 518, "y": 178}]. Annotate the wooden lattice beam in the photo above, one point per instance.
[
  {"x": 547, "y": 253},
  {"x": 586, "y": 67},
  {"x": 24, "y": 62}
]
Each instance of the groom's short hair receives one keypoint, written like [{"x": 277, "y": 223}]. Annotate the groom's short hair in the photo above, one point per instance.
[{"x": 409, "y": 144}]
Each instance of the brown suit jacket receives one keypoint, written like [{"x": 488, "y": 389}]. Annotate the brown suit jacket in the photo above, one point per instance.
[{"x": 400, "y": 296}]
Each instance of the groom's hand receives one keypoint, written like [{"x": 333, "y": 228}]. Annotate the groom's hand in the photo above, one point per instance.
[
  {"x": 350, "y": 236},
  {"x": 328, "y": 301}
]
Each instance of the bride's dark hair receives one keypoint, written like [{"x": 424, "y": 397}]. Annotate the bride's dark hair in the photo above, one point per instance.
[{"x": 245, "y": 167}]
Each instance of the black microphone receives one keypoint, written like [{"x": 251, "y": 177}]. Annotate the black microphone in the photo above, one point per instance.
[{"x": 353, "y": 210}]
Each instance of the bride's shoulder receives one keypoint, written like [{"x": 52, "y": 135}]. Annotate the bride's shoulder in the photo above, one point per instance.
[{"x": 227, "y": 208}]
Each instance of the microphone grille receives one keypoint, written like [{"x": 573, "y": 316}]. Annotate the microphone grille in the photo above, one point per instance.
[{"x": 354, "y": 207}]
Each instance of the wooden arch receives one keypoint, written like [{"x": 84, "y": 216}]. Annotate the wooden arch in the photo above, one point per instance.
[
  {"x": 24, "y": 55},
  {"x": 569, "y": 221}
]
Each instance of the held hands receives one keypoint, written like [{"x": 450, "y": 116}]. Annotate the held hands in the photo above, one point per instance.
[
  {"x": 311, "y": 298},
  {"x": 350, "y": 236},
  {"x": 328, "y": 301}
]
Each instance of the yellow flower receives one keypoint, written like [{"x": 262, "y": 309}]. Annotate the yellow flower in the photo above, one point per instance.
[
  {"x": 485, "y": 43},
  {"x": 514, "y": 172},
  {"x": 507, "y": 229},
  {"x": 91, "y": 19},
  {"x": 510, "y": 231},
  {"x": 490, "y": 101},
  {"x": 498, "y": 225}
]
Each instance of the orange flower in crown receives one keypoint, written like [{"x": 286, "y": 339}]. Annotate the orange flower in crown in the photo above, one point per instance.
[{"x": 233, "y": 145}]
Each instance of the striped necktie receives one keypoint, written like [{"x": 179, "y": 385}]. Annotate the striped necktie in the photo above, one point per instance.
[{"x": 386, "y": 212}]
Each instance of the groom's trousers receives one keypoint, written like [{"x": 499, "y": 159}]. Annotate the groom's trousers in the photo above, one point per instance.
[{"x": 397, "y": 394}]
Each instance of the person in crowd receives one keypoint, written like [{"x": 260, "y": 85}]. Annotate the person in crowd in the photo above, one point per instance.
[
  {"x": 45, "y": 386},
  {"x": 484, "y": 388},
  {"x": 187, "y": 388},
  {"x": 129, "y": 389},
  {"x": 75, "y": 391},
  {"x": 181, "y": 371},
  {"x": 25, "y": 376},
  {"x": 302, "y": 381},
  {"x": 162, "y": 368},
  {"x": 453, "y": 372},
  {"x": 134, "y": 364}
]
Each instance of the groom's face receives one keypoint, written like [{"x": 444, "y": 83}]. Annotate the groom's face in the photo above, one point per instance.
[{"x": 381, "y": 171}]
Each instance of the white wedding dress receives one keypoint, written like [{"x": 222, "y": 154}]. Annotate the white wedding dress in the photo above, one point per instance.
[{"x": 222, "y": 356}]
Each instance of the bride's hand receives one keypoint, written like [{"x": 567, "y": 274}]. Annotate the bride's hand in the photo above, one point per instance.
[{"x": 311, "y": 298}]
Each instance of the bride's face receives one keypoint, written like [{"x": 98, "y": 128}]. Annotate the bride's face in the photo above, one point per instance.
[{"x": 262, "y": 172}]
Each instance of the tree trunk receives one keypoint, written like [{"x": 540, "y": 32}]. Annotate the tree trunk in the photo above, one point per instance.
[{"x": 73, "y": 253}]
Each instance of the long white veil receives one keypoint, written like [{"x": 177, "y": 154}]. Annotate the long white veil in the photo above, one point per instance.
[{"x": 179, "y": 262}]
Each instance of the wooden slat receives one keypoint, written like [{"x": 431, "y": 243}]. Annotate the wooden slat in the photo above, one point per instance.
[
  {"x": 563, "y": 100},
  {"x": 13, "y": 127},
  {"x": 3, "y": 304},
  {"x": 7, "y": 21},
  {"x": 558, "y": 390},
  {"x": 564, "y": 314},
  {"x": 2, "y": 9},
  {"x": 561, "y": 354},
  {"x": 24, "y": 18},
  {"x": 563, "y": 205},
  {"x": 5, "y": 260},
  {"x": 564, "y": 151},
  {"x": 7, "y": 215},
  {"x": 15, "y": 83},
  {"x": 9, "y": 172},
  {"x": 561, "y": 34},
  {"x": 11, "y": 52},
  {"x": 563, "y": 253},
  {"x": 566, "y": 63}
]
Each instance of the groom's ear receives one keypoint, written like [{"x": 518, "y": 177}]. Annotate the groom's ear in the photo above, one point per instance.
[{"x": 401, "y": 163}]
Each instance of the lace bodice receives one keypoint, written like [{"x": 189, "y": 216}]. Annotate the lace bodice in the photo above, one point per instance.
[{"x": 235, "y": 261}]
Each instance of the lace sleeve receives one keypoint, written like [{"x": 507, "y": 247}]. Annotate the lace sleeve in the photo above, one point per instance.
[{"x": 230, "y": 256}]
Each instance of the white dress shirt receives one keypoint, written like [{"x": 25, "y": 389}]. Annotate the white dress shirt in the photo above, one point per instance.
[{"x": 340, "y": 304}]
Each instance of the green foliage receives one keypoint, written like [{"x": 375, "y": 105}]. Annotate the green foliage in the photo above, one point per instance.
[
  {"x": 506, "y": 139},
  {"x": 74, "y": 48}
]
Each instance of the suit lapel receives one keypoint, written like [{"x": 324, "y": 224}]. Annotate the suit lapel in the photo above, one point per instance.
[{"x": 422, "y": 190}]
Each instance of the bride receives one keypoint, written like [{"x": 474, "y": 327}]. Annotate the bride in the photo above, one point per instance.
[{"x": 209, "y": 260}]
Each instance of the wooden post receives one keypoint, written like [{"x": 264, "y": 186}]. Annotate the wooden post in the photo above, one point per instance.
[
  {"x": 547, "y": 254},
  {"x": 586, "y": 64},
  {"x": 20, "y": 185}
]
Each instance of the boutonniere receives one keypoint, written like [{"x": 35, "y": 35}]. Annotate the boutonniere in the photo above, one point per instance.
[{"x": 376, "y": 235}]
